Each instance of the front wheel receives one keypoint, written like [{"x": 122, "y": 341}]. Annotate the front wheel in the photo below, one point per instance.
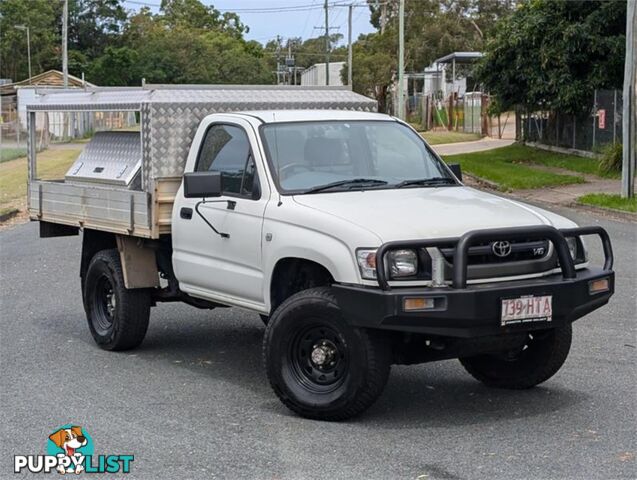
[
  {"x": 538, "y": 359},
  {"x": 117, "y": 316},
  {"x": 319, "y": 366}
]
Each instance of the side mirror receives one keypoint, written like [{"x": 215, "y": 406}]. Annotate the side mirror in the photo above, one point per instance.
[
  {"x": 456, "y": 170},
  {"x": 202, "y": 184}
]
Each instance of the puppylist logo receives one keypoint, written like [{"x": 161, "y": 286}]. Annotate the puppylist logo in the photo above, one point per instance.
[{"x": 70, "y": 450}]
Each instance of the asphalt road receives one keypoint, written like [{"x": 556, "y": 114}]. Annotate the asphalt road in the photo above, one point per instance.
[{"x": 193, "y": 401}]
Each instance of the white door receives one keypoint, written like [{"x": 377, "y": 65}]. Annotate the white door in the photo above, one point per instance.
[{"x": 207, "y": 264}]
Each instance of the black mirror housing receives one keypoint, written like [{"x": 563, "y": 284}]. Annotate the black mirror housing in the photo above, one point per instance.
[
  {"x": 202, "y": 184},
  {"x": 456, "y": 170}
]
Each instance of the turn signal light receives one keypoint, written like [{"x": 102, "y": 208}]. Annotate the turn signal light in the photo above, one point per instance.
[
  {"x": 598, "y": 286},
  {"x": 415, "y": 304}
]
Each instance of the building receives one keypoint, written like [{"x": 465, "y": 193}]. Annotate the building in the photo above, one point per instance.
[
  {"x": 15, "y": 96},
  {"x": 315, "y": 75},
  {"x": 12, "y": 107},
  {"x": 451, "y": 73},
  {"x": 53, "y": 126}
]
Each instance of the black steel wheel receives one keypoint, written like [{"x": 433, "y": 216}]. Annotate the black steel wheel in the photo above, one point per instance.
[
  {"x": 320, "y": 366},
  {"x": 318, "y": 358},
  {"x": 117, "y": 317},
  {"x": 540, "y": 357},
  {"x": 104, "y": 305}
]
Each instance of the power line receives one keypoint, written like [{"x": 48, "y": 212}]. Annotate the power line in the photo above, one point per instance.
[
  {"x": 291, "y": 8},
  {"x": 306, "y": 21}
]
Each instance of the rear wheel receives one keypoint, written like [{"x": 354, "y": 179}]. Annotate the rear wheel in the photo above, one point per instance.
[
  {"x": 318, "y": 365},
  {"x": 117, "y": 317},
  {"x": 541, "y": 356}
]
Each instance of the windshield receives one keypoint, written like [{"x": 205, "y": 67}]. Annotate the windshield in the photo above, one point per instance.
[{"x": 311, "y": 157}]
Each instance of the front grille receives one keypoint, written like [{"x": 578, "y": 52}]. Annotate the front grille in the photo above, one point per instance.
[{"x": 518, "y": 251}]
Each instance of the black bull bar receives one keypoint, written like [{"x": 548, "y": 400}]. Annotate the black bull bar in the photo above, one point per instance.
[{"x": 463, "y": 243}]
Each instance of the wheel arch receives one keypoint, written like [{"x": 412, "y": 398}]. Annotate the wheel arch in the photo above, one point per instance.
[
  {"x": 291, "y": 275},
  {"x": 94, "y": 241}
]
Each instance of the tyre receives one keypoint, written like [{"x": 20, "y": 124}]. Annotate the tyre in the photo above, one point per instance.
[
  {"x": 542, "y": 355},
  {"x": 117, "y": 317},
  {"x": 264, "y": 318},
  {"x": 319, "y": 366}
]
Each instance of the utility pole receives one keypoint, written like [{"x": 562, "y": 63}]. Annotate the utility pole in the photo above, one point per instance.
[
  {"x": 349, "y": 45},
  {"x": 401, "y": 60},
  {"x": 327, "y": 45},
  {"x": 65, "y": 53},
  {"x": 629, "y": 114}
]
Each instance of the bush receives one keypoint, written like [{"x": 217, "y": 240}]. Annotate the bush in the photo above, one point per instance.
[{"x": 611, "y": 161}]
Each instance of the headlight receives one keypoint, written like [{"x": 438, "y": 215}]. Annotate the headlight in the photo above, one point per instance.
[
  {"x": 403, "y": 263},
  {"x": 572, "y": 246},
  {"x": 577, "y": 248}
]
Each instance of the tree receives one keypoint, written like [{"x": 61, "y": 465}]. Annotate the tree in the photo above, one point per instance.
[
  {"x": 41, "y": 16},
  {"x": 94, "y": 25},
  {"x": 373, "y": 66},
  {"x": 433, "y": 28},
  {"x": 194, "y": 14},
  {"x": 185, "y": 43},
  {"x": 554, "y": 54}
]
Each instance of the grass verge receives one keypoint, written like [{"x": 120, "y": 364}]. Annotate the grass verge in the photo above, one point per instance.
[
  {"x": 52, "y": 164},
  {"x": 534, "y": 156},
  {"x": 606, "y": 200},
  {"x": 502, "y": 167},
  {"x": 7, "y": 154},
  {"x": 440, "y": 137}
]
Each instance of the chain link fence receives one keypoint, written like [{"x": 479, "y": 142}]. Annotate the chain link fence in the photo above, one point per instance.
[{"x": 602, "y": 125}]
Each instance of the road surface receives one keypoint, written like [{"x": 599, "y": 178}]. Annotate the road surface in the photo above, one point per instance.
[{"x": 193, "y": 401}]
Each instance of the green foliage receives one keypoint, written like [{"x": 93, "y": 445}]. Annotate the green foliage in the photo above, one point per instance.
[
  {"x": 509, "y": 168},
  {"x": 7, "y": 154},
  {"x": 535, "y": 156},
  {"x": 552, "y": 54},
  {"x": 374, "y": 61},
  {"x": 94, "y": 25},
  {"x": 433, "y": 28},
  {"x": 185, "y": 42},
  {"x": 614, "y": 202},
  {"x": 41, "y": 16},
  {"x": 612, "y": 159}
]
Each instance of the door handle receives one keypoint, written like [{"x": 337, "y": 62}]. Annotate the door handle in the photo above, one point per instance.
[{"x": 185, "y": 213}]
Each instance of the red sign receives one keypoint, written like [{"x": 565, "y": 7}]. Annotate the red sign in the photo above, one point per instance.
[{"x": 601, "y": 118}]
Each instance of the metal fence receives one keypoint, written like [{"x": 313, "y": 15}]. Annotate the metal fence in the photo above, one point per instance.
[
  {"x": 601, "y": 125},
  {"x": 63, "y": 127}
]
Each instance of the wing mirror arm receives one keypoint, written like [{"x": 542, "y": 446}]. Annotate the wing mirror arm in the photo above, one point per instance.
[
  {"x": 203, "y": 185},
  {"x": 221, "y": 234}
]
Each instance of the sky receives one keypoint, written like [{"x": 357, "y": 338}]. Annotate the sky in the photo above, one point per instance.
[{"x": 299, "y": 22}]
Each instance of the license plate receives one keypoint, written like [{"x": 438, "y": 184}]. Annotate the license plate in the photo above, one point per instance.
[{"x": 526, "y": 309}]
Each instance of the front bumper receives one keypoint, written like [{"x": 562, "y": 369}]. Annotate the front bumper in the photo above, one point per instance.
[
  {"x": 468, "y": 311},
  {"x": 473, "y": 311}
]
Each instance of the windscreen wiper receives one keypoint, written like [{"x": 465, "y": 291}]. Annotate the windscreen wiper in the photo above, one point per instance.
[
  {"x": 427, "y": 181},
  {"x": 345, "y": 183}
]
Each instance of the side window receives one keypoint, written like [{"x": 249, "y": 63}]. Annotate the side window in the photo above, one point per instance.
[{"x": 226, "y": 149}]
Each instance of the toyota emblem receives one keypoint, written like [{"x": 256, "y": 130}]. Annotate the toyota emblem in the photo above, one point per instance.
[{"x": 501, "y": 249}]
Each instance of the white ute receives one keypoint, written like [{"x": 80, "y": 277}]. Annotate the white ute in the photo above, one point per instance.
[{"x": 355, "y": 243}]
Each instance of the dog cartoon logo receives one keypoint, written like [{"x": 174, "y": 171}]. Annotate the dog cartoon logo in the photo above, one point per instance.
[
  {"x": 70, "y": 439},
  {"x": 69, "y": 449}
]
